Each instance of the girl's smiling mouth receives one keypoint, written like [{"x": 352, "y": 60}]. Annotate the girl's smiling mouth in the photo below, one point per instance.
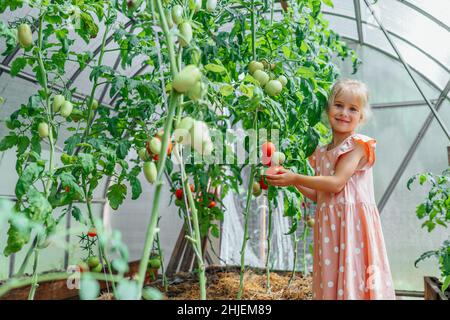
[{"x": 342, "y": 120}]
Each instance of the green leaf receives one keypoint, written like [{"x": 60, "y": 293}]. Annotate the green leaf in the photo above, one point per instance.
[
  {"x": 31, "y": 173},
  {"x": 328, "y": 3},
  {"x": 116, "y": 194},
  {"x": 215, "y": 68},
  {"x": 18, "y": 65},
  {"x": 39, "y": 207},
  {"x": 77, "y": 214},
  {"x": 306, "y": 72},
  {"x": 86, "y": 161},
  {"x": 226, "y": 90},
  {"x": 127, "y": 290},
  {"x": 8, "y": 142},
  {"x": 89, "y": 288},
  {"x": 136, "y": 188},
  {"x": 17, "y": 238},
  {"x": 68, "y": 180},
  {"x": 422, "y": 179}
]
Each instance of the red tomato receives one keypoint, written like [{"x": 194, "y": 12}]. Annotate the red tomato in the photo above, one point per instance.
[
  {"x": 192, "y": 188},
  {"x": 212, "y": 204},
  {"x": 266, "y": 160},
  {"x": 92, "y": 232},
  {"x": 262, "y": 184},
  {"x": 67, "y": 189},
  {"x": 268, "y": 148},
  {"x": 156, "y": 157},
  {"x": 179, "y": 194},
  {"x": 274, "y": 170},
  {"x": 169, "y": 148}
]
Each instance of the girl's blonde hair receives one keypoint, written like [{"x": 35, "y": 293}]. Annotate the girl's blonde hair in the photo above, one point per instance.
[{"x": 357, "y": 88}]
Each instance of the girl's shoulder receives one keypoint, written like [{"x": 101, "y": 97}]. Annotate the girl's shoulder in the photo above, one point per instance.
[{"x": 352, "y": 142}]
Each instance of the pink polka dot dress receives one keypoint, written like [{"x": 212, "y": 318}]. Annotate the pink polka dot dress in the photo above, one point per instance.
[{"x": 350, "y": 260}]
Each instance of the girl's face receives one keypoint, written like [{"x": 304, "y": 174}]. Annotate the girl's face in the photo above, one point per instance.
[{"x": 345, "y": 113}]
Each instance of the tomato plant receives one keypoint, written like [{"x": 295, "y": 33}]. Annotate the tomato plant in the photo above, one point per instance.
[{"x": 204, "y": 78}]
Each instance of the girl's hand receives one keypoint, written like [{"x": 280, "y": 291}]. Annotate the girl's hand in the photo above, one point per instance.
[{"x": 283, "y": 178}]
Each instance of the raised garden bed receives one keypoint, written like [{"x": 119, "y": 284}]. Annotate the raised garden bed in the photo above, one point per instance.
[{"x": 433, "y": 289}]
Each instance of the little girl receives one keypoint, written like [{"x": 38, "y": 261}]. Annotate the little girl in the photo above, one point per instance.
[{"x": 350, "y": 260}]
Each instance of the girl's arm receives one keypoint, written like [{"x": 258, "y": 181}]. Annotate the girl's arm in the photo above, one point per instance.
[
  {"x": 307, "y": 192},
  {"x": 345, "y": 168}
]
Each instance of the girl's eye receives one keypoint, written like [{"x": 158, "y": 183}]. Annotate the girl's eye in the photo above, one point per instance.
[{"x": 354, "y": 110}]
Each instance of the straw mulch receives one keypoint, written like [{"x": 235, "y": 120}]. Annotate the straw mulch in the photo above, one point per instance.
[{"x": 223, "y": 284}]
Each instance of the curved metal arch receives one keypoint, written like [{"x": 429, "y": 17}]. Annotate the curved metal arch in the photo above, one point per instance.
[{"x": 428, "y": 55}]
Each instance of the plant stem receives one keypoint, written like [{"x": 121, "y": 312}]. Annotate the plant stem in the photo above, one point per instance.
[
  {"x": 252, "y": 170},
  {"x": 95, "y": 84},
  {"x": 305, "y": 240},
  {"x": 269, "y": 237},
  {"x": 197, "y": 244},
  {"x": 101, "y": 247},
  {"x": 294, "y": 268},
  {"x": 161, "y": 256},
  {"x": 173, "y": 104},
  {"x": 252, "y": 21},
  {"x": 34, "y": 283}
]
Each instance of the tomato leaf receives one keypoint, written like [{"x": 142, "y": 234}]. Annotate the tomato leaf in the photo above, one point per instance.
[
  {"x": 18, "y": 65},
  {"x": 27, "y": 178},
  {"x": 116, "y": 194},
  {"x": 215, "y": 68},
  {"x": 136, "y": 188}
]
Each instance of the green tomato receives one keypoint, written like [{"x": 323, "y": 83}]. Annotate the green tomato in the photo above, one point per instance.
[
  {"x": 186, "y": 78},
  {"x": 283, "y": 80},
  {"x": 256, "y": 189},
  {"x": 143, "y": 155},
  {"x": 154, "y": 263},
  {"x": 195, "y": 5},
  {"x": 185, "y": 29},
  {"x": 197, "y": 91},
  {"x": 310, "y": 223},
  {"x": 66, "y": 109},
  {"x": 150, "y": 171},
  {"x": 278, "y": 158},
  {"x": 177, "y": 13},
  {"x": 25, "y": 35},
  {"x": 255, "y": 65},
  {"x": 43, "y": 130},
  {"x": 98, "y": 268},
  {"x": 155, "y": 145},
  {"x": 186, "y": 123},
  {"x": 58, "y": 101},
  {"x": 262, "y": 77},
  {"x": 211, "y": 5},
  {"x": 273, "y": 87},
  {"x": 93, "y": 261}
]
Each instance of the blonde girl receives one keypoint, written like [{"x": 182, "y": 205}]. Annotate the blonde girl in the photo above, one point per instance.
[{"x": 350, "y": 260}]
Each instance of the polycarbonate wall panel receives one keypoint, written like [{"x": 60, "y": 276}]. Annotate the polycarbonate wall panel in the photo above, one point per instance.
[
  {"x": 405, "y": 239},
  {"x": 438, "y": 8},
  {"x": 345, "y": 7},
  {"x": 413, "y": 57},
  {"x": 344, "y": 27},
  {"x": 413, "y": 26}
]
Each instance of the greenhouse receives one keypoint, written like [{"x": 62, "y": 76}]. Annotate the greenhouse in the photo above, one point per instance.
[{"x": 218, "y": 149}]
